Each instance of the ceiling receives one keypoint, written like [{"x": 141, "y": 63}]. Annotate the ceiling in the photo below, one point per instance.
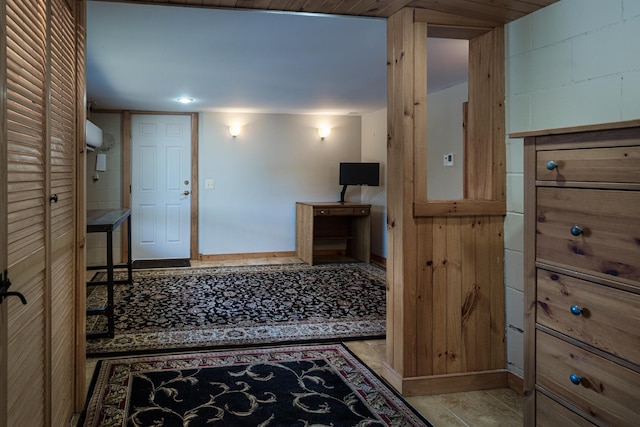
[{"x": 144, "y": 56}]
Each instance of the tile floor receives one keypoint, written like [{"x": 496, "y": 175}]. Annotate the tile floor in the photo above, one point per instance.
[
  {"x": 495, "y": 408},
  {"x": 501, "y": 407}
]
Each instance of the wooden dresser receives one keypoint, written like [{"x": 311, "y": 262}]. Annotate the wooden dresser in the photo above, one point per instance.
[{"x": 582, "y": 276}]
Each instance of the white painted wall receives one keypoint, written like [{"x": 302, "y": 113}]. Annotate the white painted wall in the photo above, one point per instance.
[
  {"x": 374, "y": 149},
  {"x": 105, "y": 193},
  {"x": 444, "y": 136},
  {"x": 573, "y": 63},
  {"x": 276, "y": 160}
]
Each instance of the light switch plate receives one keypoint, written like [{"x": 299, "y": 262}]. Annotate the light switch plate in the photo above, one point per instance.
[{"x": 448, "y": 160}]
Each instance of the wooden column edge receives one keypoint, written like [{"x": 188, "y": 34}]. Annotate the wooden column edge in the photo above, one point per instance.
[
  {"x": 515, "y": 383},
  {"x": 392, "y": 377}
]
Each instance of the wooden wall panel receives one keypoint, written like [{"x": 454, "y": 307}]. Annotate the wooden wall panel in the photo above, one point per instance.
[
  {"x": 489, "y": 13},
  {"x": 468, "y": 287},
  {"x": 426, "y": 297},
  {"x": 401, "y": 225},
  {"x": 472, "y": 298},
  {"x": 495, "y": 281},
  {"x": 440, "y": 298},
  {"x": 484, "y": 157}
]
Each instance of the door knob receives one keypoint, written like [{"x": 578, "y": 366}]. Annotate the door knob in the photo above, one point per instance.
[
  {"x": 186, "y": 192},
  {"x": 4, "y": 288}
]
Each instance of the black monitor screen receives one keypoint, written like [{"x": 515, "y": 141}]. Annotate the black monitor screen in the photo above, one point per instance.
[{"x": 360, "y": 174}]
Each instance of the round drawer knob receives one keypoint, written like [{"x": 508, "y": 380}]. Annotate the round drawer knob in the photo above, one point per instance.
[
  {"x": 576, "y": 310},
  {"x": 551, "y": 165},
  {"x": 576, "y": 230},
  {"x": 575, "y": 379},
  {"x": 321, "y": 212}
]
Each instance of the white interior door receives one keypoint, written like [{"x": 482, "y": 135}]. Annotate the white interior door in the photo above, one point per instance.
[{"x": 160, "y": 186}]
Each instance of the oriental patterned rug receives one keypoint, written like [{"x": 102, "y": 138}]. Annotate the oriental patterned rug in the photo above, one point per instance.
[
  {"x": 222, "y": 307},
  {"x": 322, "y": 385}
]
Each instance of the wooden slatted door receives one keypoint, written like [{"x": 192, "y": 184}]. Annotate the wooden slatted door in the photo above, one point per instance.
[
  {"x": 38, "y": 198},
  {"x": 62, "y": 131}
]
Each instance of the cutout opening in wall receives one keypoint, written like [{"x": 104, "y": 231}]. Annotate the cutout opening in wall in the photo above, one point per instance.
[{"x": 448, "y": 58}]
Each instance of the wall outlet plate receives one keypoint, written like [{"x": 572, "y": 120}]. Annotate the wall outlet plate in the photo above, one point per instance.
[{"x": 209, "y": 184}]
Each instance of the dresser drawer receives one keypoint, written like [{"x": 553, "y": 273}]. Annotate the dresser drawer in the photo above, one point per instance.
[
  {"x": 616, "y": 164},
  {"x": 332, "y": 211},
  {"x": 603, "y": 317},
  {"x": 550, "y": 413},
  {"x": 363, "y": 211},
  {"x": 595, "y": 230},
  {"x": 607, "y": 391}
]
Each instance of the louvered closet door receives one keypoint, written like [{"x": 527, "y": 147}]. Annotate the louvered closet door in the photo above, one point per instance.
[
  {"x": 26, "y": 368},
  {"x": 37, "y": 356},
  {"x": 62, "y": 181}
]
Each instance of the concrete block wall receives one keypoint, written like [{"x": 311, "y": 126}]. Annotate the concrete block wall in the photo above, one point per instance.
[{"x": 576, "y": 62}]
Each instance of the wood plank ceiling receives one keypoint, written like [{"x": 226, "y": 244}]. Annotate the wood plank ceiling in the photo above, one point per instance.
[{"x": 498, "y": 12}]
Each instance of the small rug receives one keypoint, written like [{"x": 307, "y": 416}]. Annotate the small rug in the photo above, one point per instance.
[
  {"x": 208, "y": 308},
  {"x": 322, "y": 385}
]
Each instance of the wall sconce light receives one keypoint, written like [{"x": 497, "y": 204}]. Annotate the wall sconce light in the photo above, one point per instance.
[
  {"x": 234, "y": 130},
  {"x": 324, "y": 132}
]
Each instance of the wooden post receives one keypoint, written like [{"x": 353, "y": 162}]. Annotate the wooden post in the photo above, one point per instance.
[{"x": 445, "y": 299}]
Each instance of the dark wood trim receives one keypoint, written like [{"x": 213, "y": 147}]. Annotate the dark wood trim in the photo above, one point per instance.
[
  {"x": 462, "y": 207},
  {"x": 576, "y": 129},
  {"x": 255, "y": 255}
]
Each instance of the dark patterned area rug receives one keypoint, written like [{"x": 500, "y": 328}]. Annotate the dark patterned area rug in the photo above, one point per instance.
[
  {"x": 322, "y": 385},
  {"x": 207, "y": 308}
]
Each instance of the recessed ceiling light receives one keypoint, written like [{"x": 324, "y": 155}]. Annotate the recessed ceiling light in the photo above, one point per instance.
[{"x": 185, "y": 100}]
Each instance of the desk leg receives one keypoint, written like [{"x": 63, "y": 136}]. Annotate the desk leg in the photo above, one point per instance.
[{"x": 110, "y": 299}]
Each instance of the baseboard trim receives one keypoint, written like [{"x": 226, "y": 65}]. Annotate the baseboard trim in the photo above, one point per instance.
[
  {"x": 441, "y": 384},
  {"x": 377, "y": 259},
  {"x": 515, "y": 383},
  {"x": 229, "y": 257}
]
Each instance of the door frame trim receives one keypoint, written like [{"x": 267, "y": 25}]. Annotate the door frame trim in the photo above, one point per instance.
[{"x": 126, "y": 175}]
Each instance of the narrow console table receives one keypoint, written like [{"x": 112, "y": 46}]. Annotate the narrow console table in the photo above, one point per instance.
[
  {"x": 332, "y": 223},
  {"x": 106, "y": 221}
]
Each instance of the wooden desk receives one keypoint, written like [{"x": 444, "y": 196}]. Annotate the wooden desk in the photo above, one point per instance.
[
  {"x": 345, "y": 223},
  {"x": 106, "y": 221}
]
